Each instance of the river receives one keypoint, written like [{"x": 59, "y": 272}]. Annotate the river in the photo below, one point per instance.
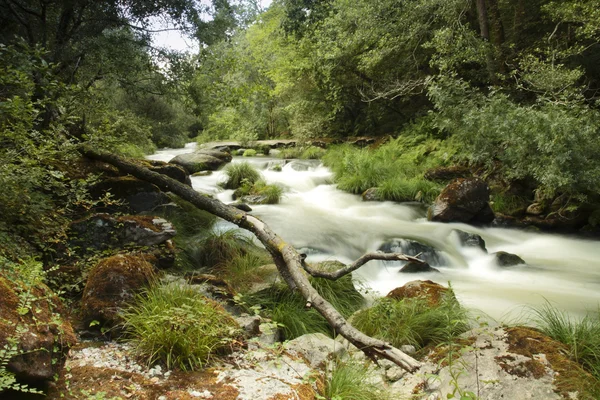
[{"x": 326, "y": 223}]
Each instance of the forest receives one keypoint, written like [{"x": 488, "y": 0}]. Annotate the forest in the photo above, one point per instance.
[{"x": 504, "y": 90}]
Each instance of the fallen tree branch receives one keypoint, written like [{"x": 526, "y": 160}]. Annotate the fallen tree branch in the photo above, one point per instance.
[
  {"x": 287, "y": 259},
  {"x": 359, "y": 263}
]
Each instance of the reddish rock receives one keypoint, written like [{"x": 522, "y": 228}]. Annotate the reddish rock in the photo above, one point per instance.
[{"x": 431, "y": 291}]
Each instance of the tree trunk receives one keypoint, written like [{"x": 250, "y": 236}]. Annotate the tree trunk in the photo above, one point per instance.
[
  {"x": 288, "y": 261},
  {"x": 484, "y": 27}
]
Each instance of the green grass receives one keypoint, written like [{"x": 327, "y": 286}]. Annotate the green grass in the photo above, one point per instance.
[
  {"x": 176, "y": 326},
  {"x": 217, "y": 248},
  {"x": 238, "y": 174},
  {"x": 413, "y": 321},
  {"x": 249, "y": 153},
  {"x": 508, "y": 204},
  {"x": 272, "y": 193},
  {"x": 350, "y": 381},
  {"x": 312, "y": 153},
  {"x": 290, "y": 152},
  {"x": 412, "y": 189},
  {"x": 242, "y": 271},
  {"x": 289, "y": 308},
  {"x": 582, "y": 336}
]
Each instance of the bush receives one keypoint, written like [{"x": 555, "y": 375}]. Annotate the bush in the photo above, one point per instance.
[
  {"x": 249, "y": 153},
  {"x": 413, "y": 321},
  {"x": 350, "y": 381},
  {"x": 178, "y": 327},
  {"x": 238, "y": 173}
]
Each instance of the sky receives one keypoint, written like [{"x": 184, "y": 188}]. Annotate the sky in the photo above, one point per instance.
[{"x": 175, "y": 40}]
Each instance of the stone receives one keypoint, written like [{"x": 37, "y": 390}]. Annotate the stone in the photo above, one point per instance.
[
  {"x": 42, "y": 337},
  {"x": 370, "y": 195},
  {"x": 412, "y": 267},
  {"x": 413, "y": 248},
  {"x": 535, "y": 209},
  {"x": 255, "y": 199},
  {"x": 113, "y": 283},
  {"x": 269, "y": 333},
  {"x": 504, "y": 259},
  {"x": 138, "y": 195},
  {"x": 431, "y": 291},
  {"x": 249, "y": 323},
  {"x": 174, "y": 171},
  {"x": 202, "y": 160},
  {"x": 467, "y": 239},
  {"x": 394, "y": 374},
  {"x": 242, "y": 206},
  {"x": 316, "y": 348},
  {"x": 463, "y": 200}
]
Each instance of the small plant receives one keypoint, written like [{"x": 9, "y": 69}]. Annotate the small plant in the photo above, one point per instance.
[
  {"x": 508, "y": 204},
  {"x": 249, "y": 153},
  {"x": 290, "y": 152},
  {"x": 218, "y": 248},
  {"x": 271, "y": 193},
  {"x": 312, "y": 153},
  {"x": 238, "y": 173},
  {"x": 350, "y": 381},
  {"x": 413, "y": 321},
  {"x": 178, "y": 327},
  {"x": 242, "y": 271}
]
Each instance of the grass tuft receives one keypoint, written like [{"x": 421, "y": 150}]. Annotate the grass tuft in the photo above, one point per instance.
[
  {"x": 249, "y": 153},
  {"x": 350, "y": 381},
  {"x": 240, "y": 173},
  {"x": 176, "y": 326},
  {"x": 413, "y": 321}
]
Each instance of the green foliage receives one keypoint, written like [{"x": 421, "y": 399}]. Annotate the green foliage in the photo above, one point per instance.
[
  {"x": 270, "y": 194},
  {"x": 312, "y": 153},
  {"x": 413, "y": 321},
  {"x": 242, "y": 270},
  {"x": 349, "y": 380},
  {"x": 249, "y": 153},
  {"x": 582, "y": 336},
  {"x": 240, "y": 173},
  {"x": 508, "y": 204},
  {"x": 176, "y": 326},
  {"x": 290, "y": 152},
  {"x": 289, "y": 308}
]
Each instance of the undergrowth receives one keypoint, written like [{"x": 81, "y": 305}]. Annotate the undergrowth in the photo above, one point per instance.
[
  {"x": 413, "y": 321},
  {"x": 176, "y": 326},
  {"x": 238, "y": 173},
  {"x": 350, "y": 381}
]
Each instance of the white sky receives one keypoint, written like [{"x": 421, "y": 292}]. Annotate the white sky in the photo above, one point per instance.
[{"x": 174, "y": 40}]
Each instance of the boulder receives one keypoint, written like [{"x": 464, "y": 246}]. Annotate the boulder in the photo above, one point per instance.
[
  {"x": 431, "y": 291},
  {"x": 30, "y": 315},
  {"x": 316, "y": 348},
  {"x": 463, "y": 200},
  {"x": 414, "y": 248},
  {"x": 113, "y": 283},
  {"x": 415, "y": 267},
  {"x": 102, "y": 231},
  {"x": 447, "y": 173},
  {"x": 467, "y": 239},
  {"x": 535, "y": 209},
  {"x": 504, "y": 259},
  {"x": 242, "y": 206},
  {"x": 370, "y": 195},
  {"x": 138, "y": 195},
  {"x": 202, "y": 160},
  {"x": 255, "y": 199}
]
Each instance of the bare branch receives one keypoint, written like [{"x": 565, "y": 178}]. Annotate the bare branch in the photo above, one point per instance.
[{"x": 359, "y": 263}]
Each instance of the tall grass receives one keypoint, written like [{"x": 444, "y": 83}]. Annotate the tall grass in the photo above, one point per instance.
[
  {"x": 413, "y": 321},
  {"x": 508, "y": 204},
  {"x": 217, "y": 248},
  {"x": 242, "y": 271},
  {"x": 582, "y": 336},
  {"x": 238, "y": 173},
  {"x": 350, "y": 381},
  {"x": 176, "y": 326}
]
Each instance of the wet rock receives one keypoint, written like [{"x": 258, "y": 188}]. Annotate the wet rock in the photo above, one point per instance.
[
  {"x": 316, "y": 348},
  {"x": 414, "y": 248},
  {"x": 447, "y": 173},
  {"x": 112, "y": 284},
  {"x": 467, "y": 239},
  {"x": 463, "y": 200},
  {"x": 412, "y": 267},
  {"x": 242, "y": 206},
  {"x": 102, "y": 231},
  {"x": 138, "y": 195},
  {"x": 304, "y": 165},
  {"x": 174, "y": 171},
  {"x": 433, "y": 292},
  {"x": 30, "y": 315},
  {"x": 504, "y": 259},
  {"x": 255, "y": 199},
  {"x": 370, "y": 195},
  {"x": 202, "y": 160}
]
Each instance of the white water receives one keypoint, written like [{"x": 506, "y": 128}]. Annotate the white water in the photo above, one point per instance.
[{"x": 327, "y": 223}]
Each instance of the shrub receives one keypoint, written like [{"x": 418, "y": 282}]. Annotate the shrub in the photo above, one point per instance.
[
  {"x": 413, "y": 321},
  {"x": 505, "y": 203},
  {"x": 238, "y": 173},
  {"x": 178, "y": 327},
  {"x": 217, "y": 248},
  {"x": 272, "y": 193},
  {"x": 350, "y": 381},
  {"x": 249, "y": 153}
]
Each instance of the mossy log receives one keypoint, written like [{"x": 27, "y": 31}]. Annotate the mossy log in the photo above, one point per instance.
[{"x": 288, "y": 261}]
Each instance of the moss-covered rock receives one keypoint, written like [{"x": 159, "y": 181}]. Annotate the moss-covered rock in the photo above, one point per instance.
[
  {"x": 431, "y": 291},
  {"x": 463, "y": 200},
  {"x": 112, "y": 284},
  {"x": 30, "y": 316}
]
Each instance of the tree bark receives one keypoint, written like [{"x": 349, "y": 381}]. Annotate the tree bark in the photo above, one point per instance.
[
  {"x": 288, "y": 261},
  {"x": 484, "y": 26}
]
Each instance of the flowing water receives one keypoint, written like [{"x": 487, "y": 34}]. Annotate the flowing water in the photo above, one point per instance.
[{"x": 326, "y": 224}]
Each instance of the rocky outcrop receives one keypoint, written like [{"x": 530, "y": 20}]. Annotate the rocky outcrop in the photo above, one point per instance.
[
  {"x": 31, "y": 316},
  {"x": 413, "y": 267},
  {"x": 102, "y": 231},
  {"x": 463, "y": 200},
  {"x": 467, "y": 239},
  {"x": 137, "y": 195},
  {"x": 202, "y": 160},
  {"x": 504, "y": 259},
  {"x": 316, "y": 348},
  {"x": 431, "y": 291},
  {"x": 113, "y": 283},
  {"x": 414, "y": 248}
]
